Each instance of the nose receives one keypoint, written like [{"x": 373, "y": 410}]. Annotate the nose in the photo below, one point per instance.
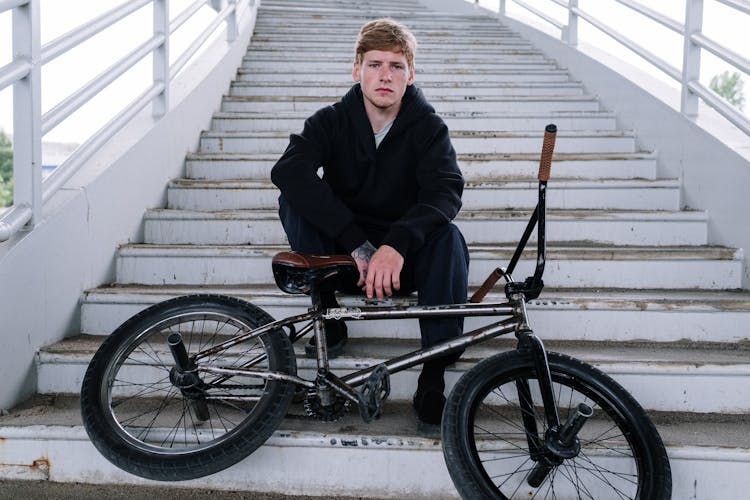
[{"x": 386, "y": 73}]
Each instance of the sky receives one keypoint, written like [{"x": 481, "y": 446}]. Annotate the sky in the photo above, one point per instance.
[{"x": 74, "y": 69}]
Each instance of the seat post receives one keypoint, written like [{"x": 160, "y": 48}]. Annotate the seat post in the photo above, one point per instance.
[{"x": 319, "y": 329}]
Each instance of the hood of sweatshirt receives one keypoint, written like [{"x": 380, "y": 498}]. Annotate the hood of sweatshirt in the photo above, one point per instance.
[{"x": 413, "y": 107}]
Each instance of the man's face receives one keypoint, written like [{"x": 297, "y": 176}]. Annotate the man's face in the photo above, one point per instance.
[{"x": 384, "y": 76}]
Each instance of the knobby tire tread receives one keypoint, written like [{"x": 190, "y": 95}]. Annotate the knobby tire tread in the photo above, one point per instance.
[
  {"x": 468, "y": 475},
  {"x": 164, "y": 467}
]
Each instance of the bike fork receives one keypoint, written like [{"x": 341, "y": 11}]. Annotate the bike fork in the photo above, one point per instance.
[{"x": 559, "y": 442}]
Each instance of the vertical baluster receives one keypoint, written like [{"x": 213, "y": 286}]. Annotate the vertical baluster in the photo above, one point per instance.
[
  {"x": 691, "y": 56},
  {"x": 161, "y": 57},
  {"x": 501, "y": 7},
  {"x": 232, "y": 20},
  {"x": 27, "y": 112},
  {"x": 570, "y": 32}
]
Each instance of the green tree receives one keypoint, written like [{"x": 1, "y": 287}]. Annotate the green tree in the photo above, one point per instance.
[
  {"x": 6, "y": 170},
  {"x": 729, "y": 86}
]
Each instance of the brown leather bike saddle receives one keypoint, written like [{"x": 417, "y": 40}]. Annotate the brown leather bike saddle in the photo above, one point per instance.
[{"x": 297, "y": 272}]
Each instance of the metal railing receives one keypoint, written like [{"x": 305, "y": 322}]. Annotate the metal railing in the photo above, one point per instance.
[
  {"x": 694, "y": 42},
  {"x": 30, "y": 190}
]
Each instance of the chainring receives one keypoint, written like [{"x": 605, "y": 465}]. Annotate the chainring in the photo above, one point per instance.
[{"x": 331, "y": 413}]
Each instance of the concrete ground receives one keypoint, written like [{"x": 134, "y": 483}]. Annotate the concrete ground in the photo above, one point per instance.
[{"x": 46, "y": 490}]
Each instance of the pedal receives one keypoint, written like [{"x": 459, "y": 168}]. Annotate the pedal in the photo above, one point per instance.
[{"x": 373, "y": 394}]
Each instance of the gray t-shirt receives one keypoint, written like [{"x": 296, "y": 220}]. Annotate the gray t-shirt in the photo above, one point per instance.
[{"x": 379, "y": 136}]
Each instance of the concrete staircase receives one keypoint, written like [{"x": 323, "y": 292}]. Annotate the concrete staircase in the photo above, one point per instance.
[{"x": 632, "y": 285}]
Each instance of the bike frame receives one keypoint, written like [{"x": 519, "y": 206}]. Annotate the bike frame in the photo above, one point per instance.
[{"x": 514, "y": 310}]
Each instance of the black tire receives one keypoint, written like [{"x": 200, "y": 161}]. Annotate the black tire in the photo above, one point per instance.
[
  {"x": 487, "y": 452},
  {"x": 141, "y": 422}
]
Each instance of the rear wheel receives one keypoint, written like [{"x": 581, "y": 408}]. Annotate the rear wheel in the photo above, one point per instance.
[
  {"x": 157, "y": 423},
  {"x": 486, "y": 434}
]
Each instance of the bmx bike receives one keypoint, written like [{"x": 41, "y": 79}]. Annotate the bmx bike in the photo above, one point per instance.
[{"x": 192, "y": 385}]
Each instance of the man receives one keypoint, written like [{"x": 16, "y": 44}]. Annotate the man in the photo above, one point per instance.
[{"x": 390, "y": 188}]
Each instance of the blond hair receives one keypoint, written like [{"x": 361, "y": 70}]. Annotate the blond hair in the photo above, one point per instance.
[{"x": 386, "y": 34}]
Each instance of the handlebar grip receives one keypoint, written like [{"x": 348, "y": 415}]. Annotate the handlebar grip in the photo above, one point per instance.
[
  {"x": 486, "y": 286},
  {"x": 548, "y": 146}
]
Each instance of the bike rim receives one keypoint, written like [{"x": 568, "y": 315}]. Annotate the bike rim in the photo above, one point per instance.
[
  {"x": 606, "y": 467},
  {"x": 146, "y": 409}
]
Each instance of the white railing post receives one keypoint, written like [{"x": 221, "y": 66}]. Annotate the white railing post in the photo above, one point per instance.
[
  {"x": 570, "y": 32},
  {"x": 691, "y": 57},
  {"x": 27, "y": 112},
  {"x": 161, "y": 57},
  {"x": 501, "y": 7},
  {"x": 232, "y": 19}
]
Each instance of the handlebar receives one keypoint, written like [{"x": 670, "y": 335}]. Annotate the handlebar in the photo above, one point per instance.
[{"x": 533, "y": 285}]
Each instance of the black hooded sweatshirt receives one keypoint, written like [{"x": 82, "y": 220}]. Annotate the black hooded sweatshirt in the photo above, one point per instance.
[{"x": 393, "y": 195}]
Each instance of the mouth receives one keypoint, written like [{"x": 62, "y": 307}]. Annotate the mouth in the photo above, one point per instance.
[{"x": 384, "y": 90}]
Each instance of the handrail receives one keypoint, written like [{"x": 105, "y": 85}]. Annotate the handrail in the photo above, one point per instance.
[
  {"x": 201, "y": 39},
  {"x": 68, "y": 106},
  {"x": 660, "y": 18},
  {"x": 24, "y": 73},
  {"x": 695, "y": 42},
  {"x": 74, "y": 38},
  {"x": 627, "y": 42},
  {"x": 14, "y": 71},
  {"x": 541, "y": 14},
  {"x": 61, "y": 175}
]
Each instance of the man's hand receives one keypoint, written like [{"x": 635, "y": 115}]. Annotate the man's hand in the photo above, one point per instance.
[
  {"x": 362, "y": 255},
  {"x": 383, "y": 274}
]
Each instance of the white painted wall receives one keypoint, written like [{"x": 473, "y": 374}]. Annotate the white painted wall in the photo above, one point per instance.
[
  {"x": 714, "y": 169},
  {"x": 43, "y": 272}
]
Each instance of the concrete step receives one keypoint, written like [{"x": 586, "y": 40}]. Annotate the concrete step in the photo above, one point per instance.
[
  {"x": 292, "y": 121},
  {"x": 594, "y": 315},
  {"x": 458, "y": 104},
  {"x": 502, "y": 62},
  {"x": 431, "y": 89},
  {"x": 475, "y": 167},
  {"x": 262, "y": 226},
  {"x": 348, "y": 32},
  {"x": 564, "y": 194},
  {"x": 529, "y": 53},
  {"x": 680, "y": 377},
  {"x": 498, "y": 76},
  {"x": 43, "y": 435},
  {"x": 467, "y": 142},
  {"x": 706, "y": 268},
  {"x": 448, "y": 49},
  {"x": 287, "y": 20}
]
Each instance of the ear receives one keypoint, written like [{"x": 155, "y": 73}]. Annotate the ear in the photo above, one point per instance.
[
  {"x": 356, "y": 72},
  {"x": 411, "y": 76}
]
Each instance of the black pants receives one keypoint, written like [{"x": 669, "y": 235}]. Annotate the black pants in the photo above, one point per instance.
[{"x": 437, "y": 271}]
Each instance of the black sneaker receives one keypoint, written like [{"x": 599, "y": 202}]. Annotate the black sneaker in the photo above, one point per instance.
[
  {"x": 336, "y": 336},
  {"x": 429, "y": 404}
]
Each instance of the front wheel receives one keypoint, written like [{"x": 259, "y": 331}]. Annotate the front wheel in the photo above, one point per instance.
[
  {"x": 487, "y": 427},
  {"x": 159, "y": 423}
]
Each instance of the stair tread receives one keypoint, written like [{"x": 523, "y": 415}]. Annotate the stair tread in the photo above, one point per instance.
[
  {"x": 461, "y": 157},
  {"x": 61, "y": 413},
  {"x": 583, "y": 251},
  {"x": 434, "y": 99},
  {"x": 480, "y": 214},
  {"x": 668, "y": 299},
  {"x": 490, "y": 183},
  {"x": 638, "y": 356}
]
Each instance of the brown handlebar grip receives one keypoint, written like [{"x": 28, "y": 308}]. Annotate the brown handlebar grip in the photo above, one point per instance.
[
  {"x": 548, "y": 146},
  {"x": 486, "y": 286}
]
